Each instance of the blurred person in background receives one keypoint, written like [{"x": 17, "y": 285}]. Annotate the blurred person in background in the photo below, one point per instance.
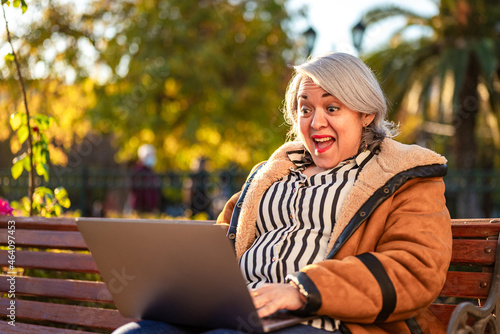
[
  {"x": 197, "y": 189},
  {"x": 145, "y": 192}
]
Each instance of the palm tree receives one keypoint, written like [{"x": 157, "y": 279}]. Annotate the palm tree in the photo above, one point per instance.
[{"x": 447, "y": 79}]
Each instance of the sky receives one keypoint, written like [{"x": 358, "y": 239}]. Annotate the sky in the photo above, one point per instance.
[{"x": 334, "y": 19}]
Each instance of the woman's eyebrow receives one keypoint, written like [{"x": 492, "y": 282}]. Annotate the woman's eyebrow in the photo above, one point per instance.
[{"x": 322, "y": 96}]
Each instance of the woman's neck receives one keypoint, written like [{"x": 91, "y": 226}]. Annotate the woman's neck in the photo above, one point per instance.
[{"x": 313, "y": 170}]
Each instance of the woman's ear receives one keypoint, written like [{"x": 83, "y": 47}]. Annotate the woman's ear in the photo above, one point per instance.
[{"x": 367, "y": 119}]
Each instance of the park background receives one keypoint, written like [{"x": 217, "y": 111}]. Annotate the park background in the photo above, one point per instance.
[{"x": 206, "y": 78}]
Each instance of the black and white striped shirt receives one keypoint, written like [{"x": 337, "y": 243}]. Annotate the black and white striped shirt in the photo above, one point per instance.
[{"x": 295, "y": 220}]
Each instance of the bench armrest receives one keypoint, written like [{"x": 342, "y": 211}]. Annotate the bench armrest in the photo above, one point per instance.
[{"x": 483, "y": 318}]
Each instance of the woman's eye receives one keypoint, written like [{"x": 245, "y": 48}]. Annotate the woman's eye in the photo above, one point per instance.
[
  {"x": 332, "y": 108},
  {"x": 304, "y": 110}
]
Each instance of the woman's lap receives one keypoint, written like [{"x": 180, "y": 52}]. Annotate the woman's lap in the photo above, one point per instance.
[{"x": 150, "y": 326}]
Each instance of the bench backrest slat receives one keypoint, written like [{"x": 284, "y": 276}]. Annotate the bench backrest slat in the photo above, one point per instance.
[
  {"x": 46, "y": 239},
  {"x": 76, "y": 262},
  {"x": 476, "y": 251},
  {"x": 68, "y": 314},
  {"x": 467, "y": 284},
  {"x": 40, "y": 223},
  {"x": 469, "y": 227},
  {"x": 59, "y": 288},
  {"x": 35, "y": 329},
  {"x": 464, "y": 250}
]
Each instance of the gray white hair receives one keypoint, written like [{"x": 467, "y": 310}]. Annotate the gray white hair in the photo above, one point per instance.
[{"x": 353, "y": 83}]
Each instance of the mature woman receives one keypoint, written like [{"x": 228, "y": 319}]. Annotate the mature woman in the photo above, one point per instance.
[{"x": 343, "y": 221}]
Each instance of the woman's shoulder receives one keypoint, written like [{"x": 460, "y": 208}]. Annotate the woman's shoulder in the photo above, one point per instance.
[
  {"x": 399, "y": 155},
  {"x": 394, "y": 158},
  {"x": 256, "y": 168}
]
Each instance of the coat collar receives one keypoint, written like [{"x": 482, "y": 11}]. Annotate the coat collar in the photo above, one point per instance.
[{"x": 393, "y": 158}]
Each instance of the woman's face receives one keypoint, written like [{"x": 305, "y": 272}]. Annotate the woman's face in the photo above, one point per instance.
[{"x": 330, "y": 131}]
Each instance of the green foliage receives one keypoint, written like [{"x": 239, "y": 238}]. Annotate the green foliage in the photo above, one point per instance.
[
  {"x": 190, "y": 77},
  {"x": 46, "y": 203},
  {"x": 32, "y": 131},
  {"x": 38, "y": 125},
  {"x": 430, "y": 77},
  {"x": 9, "y": 57},
  {"x": 17, "y": 4},
  {"x": 204, "y": 81}
]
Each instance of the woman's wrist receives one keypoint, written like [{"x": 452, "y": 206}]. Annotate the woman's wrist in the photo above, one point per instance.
[
  {"x": 303, "y": 294},
  {"x": 308, "y": 291}
]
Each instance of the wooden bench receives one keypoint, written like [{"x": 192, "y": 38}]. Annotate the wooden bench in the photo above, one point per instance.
[
  {"x": 74, "y": 298},
  {"x": 473, "y": 279},
  {"x": 59, "y": 290}
]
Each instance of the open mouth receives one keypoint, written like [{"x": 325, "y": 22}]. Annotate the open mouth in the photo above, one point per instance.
[{"x": 322, "y": 143}]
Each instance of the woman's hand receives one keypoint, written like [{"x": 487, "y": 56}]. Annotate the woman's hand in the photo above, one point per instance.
[{"x": 272, "y": 297}]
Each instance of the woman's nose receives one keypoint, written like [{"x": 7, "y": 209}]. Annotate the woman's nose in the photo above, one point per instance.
[{"x": 319, "y": 120}]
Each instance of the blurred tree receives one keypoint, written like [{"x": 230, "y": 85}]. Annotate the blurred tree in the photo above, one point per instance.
[
  {"x": 67, "y": 104},
  {"x": 56, "y": 78},
  {"x": 31, "y": 130},
  {"x": 194, "y": 78},
  {"x": 446, "y": 82},
  {"x": 191, "y": 77}
]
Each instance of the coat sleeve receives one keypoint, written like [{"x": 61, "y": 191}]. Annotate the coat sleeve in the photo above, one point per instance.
[{"x": 402, "y": 256}]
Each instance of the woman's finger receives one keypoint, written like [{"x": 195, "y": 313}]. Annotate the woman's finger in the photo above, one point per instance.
[
  {"x": 268, "y": 309},
  {"x": 273, "y": 297}
]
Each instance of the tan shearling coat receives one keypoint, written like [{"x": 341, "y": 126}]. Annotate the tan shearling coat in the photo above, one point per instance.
[{"x": 390, "y": 248}]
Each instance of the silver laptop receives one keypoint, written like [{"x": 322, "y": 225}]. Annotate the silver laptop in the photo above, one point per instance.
[{"x": 180, "y": 272}]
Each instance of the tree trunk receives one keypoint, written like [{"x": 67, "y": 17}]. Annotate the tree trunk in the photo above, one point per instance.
[{"x": 465, "y": 149}]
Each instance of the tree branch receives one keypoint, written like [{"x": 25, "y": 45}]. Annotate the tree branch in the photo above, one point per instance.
[{"x": 30, "y": 139}]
